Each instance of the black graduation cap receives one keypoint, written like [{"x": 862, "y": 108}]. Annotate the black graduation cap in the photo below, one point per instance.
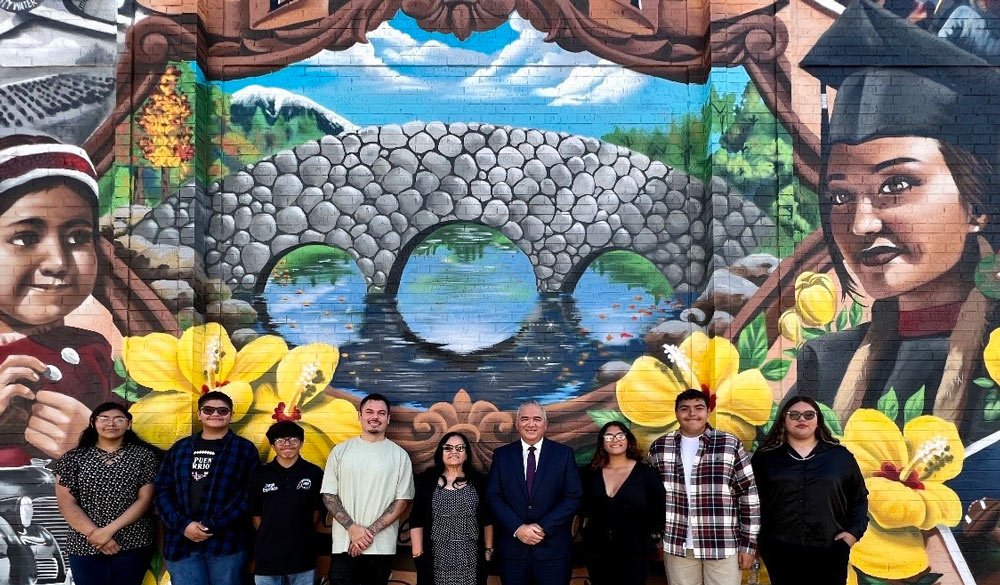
[{"x": 895, "y": 79}]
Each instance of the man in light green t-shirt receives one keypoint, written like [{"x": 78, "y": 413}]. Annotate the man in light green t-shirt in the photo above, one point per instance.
[{"x": 367, "y": 487}]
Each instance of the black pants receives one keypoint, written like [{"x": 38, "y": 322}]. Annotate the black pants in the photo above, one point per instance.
[
  {"x": 122, "y": 568},
  {"x": 360, "y": 570},
  {"x": 789, "y": 564},
  {"x": 532, "y": 571},
  {"x": 627, "y": 569}
]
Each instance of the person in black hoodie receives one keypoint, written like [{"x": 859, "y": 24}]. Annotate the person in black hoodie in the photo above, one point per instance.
[
  {"x": 450, "y": 526},
  {"x": 813, "y": 499}
]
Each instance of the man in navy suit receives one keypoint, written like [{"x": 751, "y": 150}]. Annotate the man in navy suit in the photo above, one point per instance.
[{"x": 534, "y": 490}]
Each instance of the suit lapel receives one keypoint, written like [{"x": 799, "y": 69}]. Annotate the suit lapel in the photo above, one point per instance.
[
  {"x": 542, "y": 465},
  {"x": 517, "y": 461}
]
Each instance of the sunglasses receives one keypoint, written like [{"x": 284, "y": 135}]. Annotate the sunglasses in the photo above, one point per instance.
[
  {"x": 455, "y": 448},
  {"x": 220, "y": 410},
  {"x": 807, "y": 415}
]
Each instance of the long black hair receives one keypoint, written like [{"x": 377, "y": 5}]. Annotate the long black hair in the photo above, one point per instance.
[
  {"x": 88, "y": 438},
  {"x": 776, "y": 436},
  {"x": 467, "y": 469}
]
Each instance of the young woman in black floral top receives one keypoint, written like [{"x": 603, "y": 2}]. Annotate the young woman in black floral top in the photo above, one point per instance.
[{"x": 105, "y": 492}]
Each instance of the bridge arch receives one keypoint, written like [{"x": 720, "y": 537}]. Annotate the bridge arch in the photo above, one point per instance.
[{"x": 561, "y": 198}]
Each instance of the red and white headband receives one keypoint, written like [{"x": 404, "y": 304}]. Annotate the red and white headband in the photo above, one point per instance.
[{"x": 27, "y": 162}]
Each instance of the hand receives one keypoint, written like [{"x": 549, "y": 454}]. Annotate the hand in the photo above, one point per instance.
[
  {"x": 100, "y": 537},
  {"x": 111, "y": 548},
  {"x": 15, "y": 372},
  {"x": 848, "y": 539},
  {"x": 659, "y": 550},
  {"x": 56, "y": 422},
  {"x": 489, "y": 553},
  {"x": 361, "y": 539},
  {"x": 530, "y": 534},
  {"x": 197, "y": 532},
  {"x": 416, "y": 549},
  {"x": 746, "y": 560}
]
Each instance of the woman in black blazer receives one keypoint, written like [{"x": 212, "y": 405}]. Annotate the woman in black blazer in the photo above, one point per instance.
[
  {"x": 624, "y": 506},
  {"x": 450, "y": 527}
]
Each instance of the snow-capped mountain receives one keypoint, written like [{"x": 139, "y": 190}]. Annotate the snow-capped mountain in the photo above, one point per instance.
[{"x": 275, "y": 103}]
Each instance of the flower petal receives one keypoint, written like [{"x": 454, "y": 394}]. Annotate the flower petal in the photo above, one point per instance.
[
  {"x": 991, "y": 354},
  {"x": 317, "y": 446},
  {"x": 305, "y": 372},
  {"x": 646, "y": 393},
  {"x": 151, "y": 360},
  {"x": 336, "y": 417},
  {"x": 164, "y": 417},
  {"x": 735, "y": 425},
  {"x": 713, "y": 359},
  {"x": 942, "y": 504},
  {"x": 206, "y": 355},
  {"x": 254, "y": 429},
  {"x": 746, "y": 395},
  {"x": 890, "y": 554},
  {"x": 935, "y": 434},
  {"x": 874, "y": 439},
  {"x": 894, "y": 505},
  {"x": 242, "y": 396},
  {"x": 257, "y": 357}
]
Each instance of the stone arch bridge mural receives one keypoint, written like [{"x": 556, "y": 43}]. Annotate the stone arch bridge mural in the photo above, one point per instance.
[{"x": 562, "y": 199}]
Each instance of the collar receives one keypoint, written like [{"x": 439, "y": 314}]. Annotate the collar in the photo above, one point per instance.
[
  {"x": 274, "y": 463},
  {"x": 928, "y": 321},
  {"x": 537, "y": 446}
]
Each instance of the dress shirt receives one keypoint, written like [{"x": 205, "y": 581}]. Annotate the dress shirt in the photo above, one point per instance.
[{"x": 524, "y": 454}]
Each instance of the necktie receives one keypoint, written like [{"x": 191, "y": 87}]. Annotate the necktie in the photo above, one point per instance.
[{"x": 529, "y": 472}]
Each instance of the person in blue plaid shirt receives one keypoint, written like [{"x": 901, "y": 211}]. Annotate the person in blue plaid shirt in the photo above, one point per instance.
[
  {"x": 713, "y": 512},
  {"x": 202, "y": 496}
]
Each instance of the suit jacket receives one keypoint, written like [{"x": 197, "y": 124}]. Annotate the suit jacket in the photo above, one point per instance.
[{"x": 556, "y": 498}]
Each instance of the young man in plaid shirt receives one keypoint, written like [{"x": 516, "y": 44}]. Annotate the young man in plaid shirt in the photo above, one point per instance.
[
  {"x": 202, "y": 496},
  {"x": 713, "y": 513}
]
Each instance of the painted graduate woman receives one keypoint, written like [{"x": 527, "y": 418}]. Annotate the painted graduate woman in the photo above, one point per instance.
[{"x": 909, "y": 211}]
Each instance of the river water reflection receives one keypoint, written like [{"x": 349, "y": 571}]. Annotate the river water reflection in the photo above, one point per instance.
[{"x": 467, "y": 316}]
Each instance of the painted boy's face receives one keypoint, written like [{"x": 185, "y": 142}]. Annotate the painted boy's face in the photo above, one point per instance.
[{"x": 48, "y": 260}]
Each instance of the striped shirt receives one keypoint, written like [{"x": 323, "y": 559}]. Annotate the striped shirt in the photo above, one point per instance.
[{"x": 724, "y": 512}]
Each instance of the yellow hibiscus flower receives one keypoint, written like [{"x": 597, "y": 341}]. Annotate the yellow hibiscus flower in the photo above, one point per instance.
[
  {"x": 991, "y": 356},
  {"x": 889, "y": 554},
  {"x": 815, "y": 299},
  {"x": 180, "y": 370},
  {"x": 904, "y": 472},
  {"x": 738, "y": 401},
  {"x": 303, "y": 374}
]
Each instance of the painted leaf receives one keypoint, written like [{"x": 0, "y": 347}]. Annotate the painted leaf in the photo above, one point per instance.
[
  {"x": 928, "y": 579},
  {"x": 857, "y": 312},
  {"x": 831, "y": 420},
  {"x": 766, "y": 427},
  {"x": 775, "y": 370},
  {"x": 792, "y": 353},
  {"x": 752, "y": 344},
  {"x": 603, "y": 417},
  {"x": 888, "y": 404},
  {"x": 992, "y": 410},
  {"x": 812, "y": 333},
  {"x": 842, "y": 319},
  {"x": 984, "y": 382},
  {"x": 119, "y": 366},
  {"x": 914, "y": 406}
]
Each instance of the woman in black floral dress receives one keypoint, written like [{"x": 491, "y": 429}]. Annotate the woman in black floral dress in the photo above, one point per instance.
[{"x": 105, "y": 492}]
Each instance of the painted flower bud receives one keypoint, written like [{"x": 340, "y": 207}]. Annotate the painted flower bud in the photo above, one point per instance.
[
  {"x": 790, "y": 326},
  {"x": 815, "y": 299}
]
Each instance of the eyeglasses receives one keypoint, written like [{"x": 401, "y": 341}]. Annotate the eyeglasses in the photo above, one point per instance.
[
  {"x": 455, "y": 448},
  {"x": 614, "y": 436},
  {"x": 115, "y": 420},
  {"x": 293, "y": 442},
  {"x": 807, "y": 415},
  {"x": 220, "y": 410}
]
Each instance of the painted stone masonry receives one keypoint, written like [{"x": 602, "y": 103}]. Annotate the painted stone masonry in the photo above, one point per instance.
[{"x": 561, "y": 199}]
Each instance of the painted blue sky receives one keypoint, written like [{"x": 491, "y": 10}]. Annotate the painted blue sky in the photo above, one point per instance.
[{"x": 506, "y": 76}]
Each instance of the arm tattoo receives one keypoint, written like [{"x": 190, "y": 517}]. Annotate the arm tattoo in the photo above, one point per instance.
[
  {"x": 336, "y": 509},
  {"x": 387, "y": 517}
]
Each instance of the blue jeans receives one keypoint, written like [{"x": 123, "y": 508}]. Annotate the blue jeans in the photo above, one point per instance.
[
  {"x": 202, "y": 569},
  {"x": 127, "y": 567},
  {"x": 304, "y": 578}
]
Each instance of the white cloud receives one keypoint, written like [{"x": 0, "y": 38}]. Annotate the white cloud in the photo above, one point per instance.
[{"x": 604, "y": 82}]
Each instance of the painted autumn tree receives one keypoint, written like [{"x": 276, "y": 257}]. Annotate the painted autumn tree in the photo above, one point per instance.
[{"x": 167, "y": 143}]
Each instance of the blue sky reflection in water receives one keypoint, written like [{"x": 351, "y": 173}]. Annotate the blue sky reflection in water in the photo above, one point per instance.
[{"x": 467, "y": 316}]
